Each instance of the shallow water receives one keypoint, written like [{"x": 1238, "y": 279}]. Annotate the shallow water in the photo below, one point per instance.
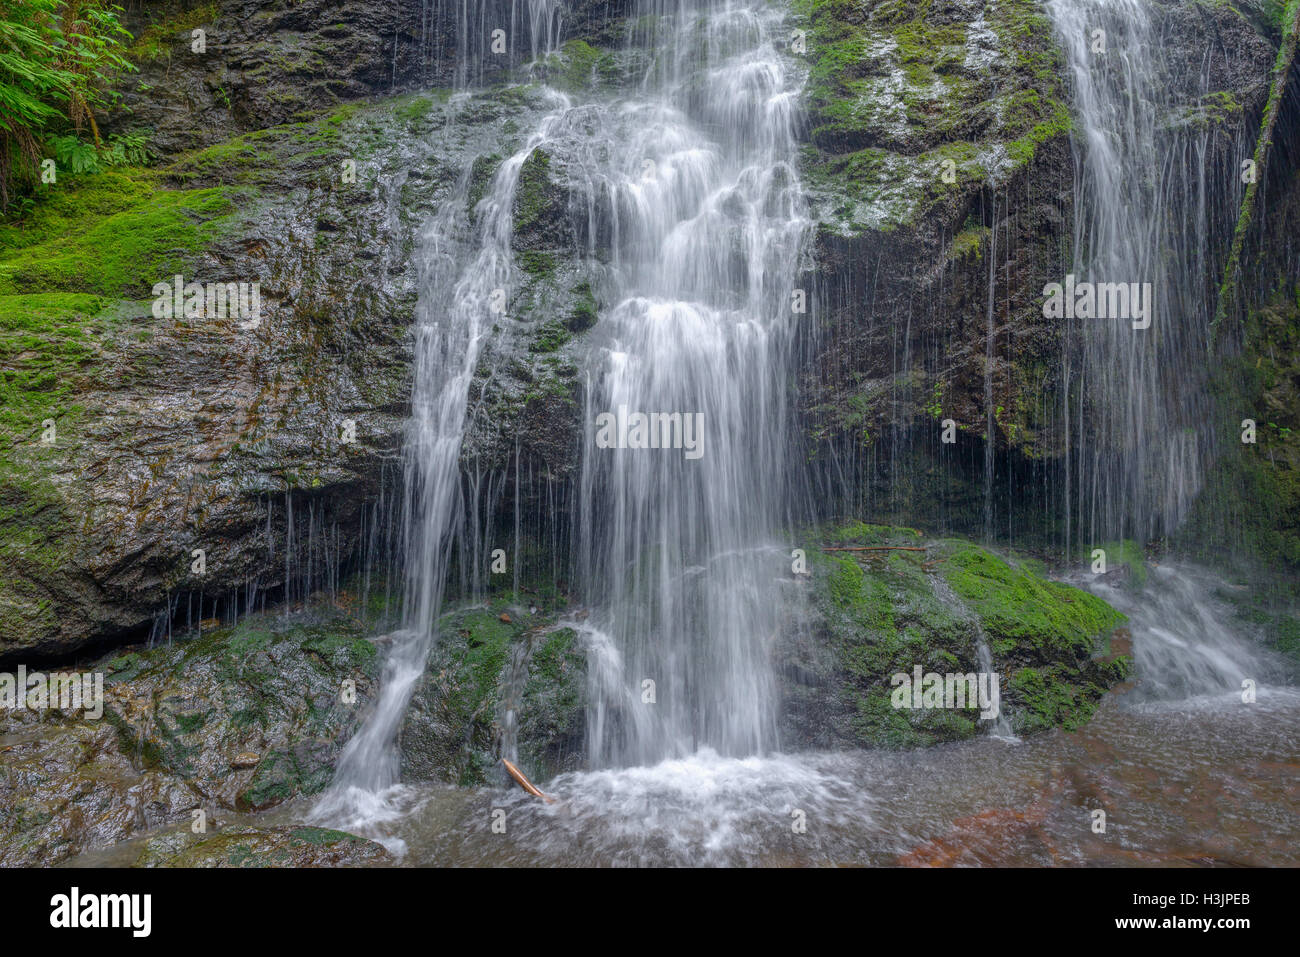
[
  {"x": 1214, "y": 781},
  {"x": 1185, "y": 771}
]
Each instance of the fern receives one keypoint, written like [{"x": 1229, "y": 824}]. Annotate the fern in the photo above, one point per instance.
[{"x": 57, "y": 58}]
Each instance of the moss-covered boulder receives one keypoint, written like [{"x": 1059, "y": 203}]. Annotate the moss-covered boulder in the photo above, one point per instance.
[
  {"x": 899, "y": 601},
  {"x": 235, "y": 719},
  {"x": 503, "y": 680}
]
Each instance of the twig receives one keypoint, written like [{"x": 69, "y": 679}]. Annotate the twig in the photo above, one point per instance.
[{"x": 524, "y": 783}]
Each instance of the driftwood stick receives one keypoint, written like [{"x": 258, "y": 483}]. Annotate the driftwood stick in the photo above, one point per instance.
[
  {"x": 874, "y": 548},
  {"x": 524, "y": 783}
]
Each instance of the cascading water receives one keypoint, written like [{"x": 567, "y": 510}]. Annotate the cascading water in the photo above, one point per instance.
[
  {"x": 696, "y": 224},
  {"x": 693, "y": 182},
  {"x": 463, "y": 267},
  {"x": 1144, "y": 214},
  {"x": 696, "y": 180},
  {"x": 1141, "y": 432}
]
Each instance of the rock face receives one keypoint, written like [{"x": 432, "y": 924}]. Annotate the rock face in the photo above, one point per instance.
[
  {"x": 873, "y": 614},
  {"x": 942, "y": 174},
  {"x": 265, "y": 447},
  {"x": 236, "y": 720},
  {"x": 276, "y": 449}
]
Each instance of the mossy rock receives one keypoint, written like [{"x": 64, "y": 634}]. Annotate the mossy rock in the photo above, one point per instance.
[
  {"x": 874, "y": 614},
  {"x": 481, "y": 667}
]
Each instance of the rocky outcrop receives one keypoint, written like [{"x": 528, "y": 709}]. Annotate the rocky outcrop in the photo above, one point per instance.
[
  {"x": 234, "y": 720},
  {"x": 263, "y": 444},
  {"x": 274, "y": 450},
  {"x": 264, "y": 63},
  {"x": 870, "y": 615},
  {"x": 502, "y": 681},
  {"x": 941, "y": 172}
]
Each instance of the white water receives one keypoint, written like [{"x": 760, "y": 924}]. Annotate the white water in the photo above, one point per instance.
[
  {"x": 693, "y": 181},
  {"x": 1186, "y": 649},
  {"x": 464, "y": 261},
  {"x": 695, "y": 177}
]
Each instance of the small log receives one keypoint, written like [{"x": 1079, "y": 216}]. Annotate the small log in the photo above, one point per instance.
[
  {"x": 875, "y": 548},
  {"x": 524, "y": 783}
]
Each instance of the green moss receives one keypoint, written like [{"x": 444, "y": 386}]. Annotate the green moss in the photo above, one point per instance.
[
  {"x": 894, "y": 108},
  {"x": 551, "y": 337},
  {"x": 157, "y": 39},
  {"x": 539, "y": 265},
  {"x": 482, "y": 171},
  {"x": 112, "y": 234},
  {"x": 1020, "y": 611},
  {"x": 1122, "y": 554},
  {"x": 585, "y": 310},
  {"x": 884, "y": 609},
  {"x": 535, "y": 191},
  {"x": 580, "y": 66}
]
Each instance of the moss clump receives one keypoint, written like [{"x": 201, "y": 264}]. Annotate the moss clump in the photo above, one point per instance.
[
  {"x": 907, "y": 111},
  {"x": 551, "y": 337},
  {"x": 1022, "y": 613},
  {"x": 538, "y": 201},
  {"x": 481, "y": 172},
  {"x": 585, "y": 310},
  {"x": 539, "y": 265},
  {"x": 157, "y": 40},
  {"x": 580, "y": 66}
]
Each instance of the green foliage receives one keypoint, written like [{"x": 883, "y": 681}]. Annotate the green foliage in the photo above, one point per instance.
[{"x": 56, "y": 61}]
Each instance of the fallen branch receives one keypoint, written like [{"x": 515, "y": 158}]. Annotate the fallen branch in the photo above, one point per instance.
[
  {"x": 874, "y": 548},
  {"x": 524, "y": 783}
]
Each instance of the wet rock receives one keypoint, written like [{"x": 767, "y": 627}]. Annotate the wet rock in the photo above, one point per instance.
[
  {"x": 496, "y": 687},
  {"x": 871, "y": 615},
  {"x": 243, "y": 718},
  {"x": 940, "y": 167},
  {"x": 286, "y": 846},
  {"x": 263, "y": 446}
]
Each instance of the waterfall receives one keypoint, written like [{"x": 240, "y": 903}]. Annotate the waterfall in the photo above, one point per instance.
[
  {"x": 690, "y": 182},
  {"x": 465, "y": 261},
  {"x": 696, "y": 181},
  {"x": 1138, "y": 431}
]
